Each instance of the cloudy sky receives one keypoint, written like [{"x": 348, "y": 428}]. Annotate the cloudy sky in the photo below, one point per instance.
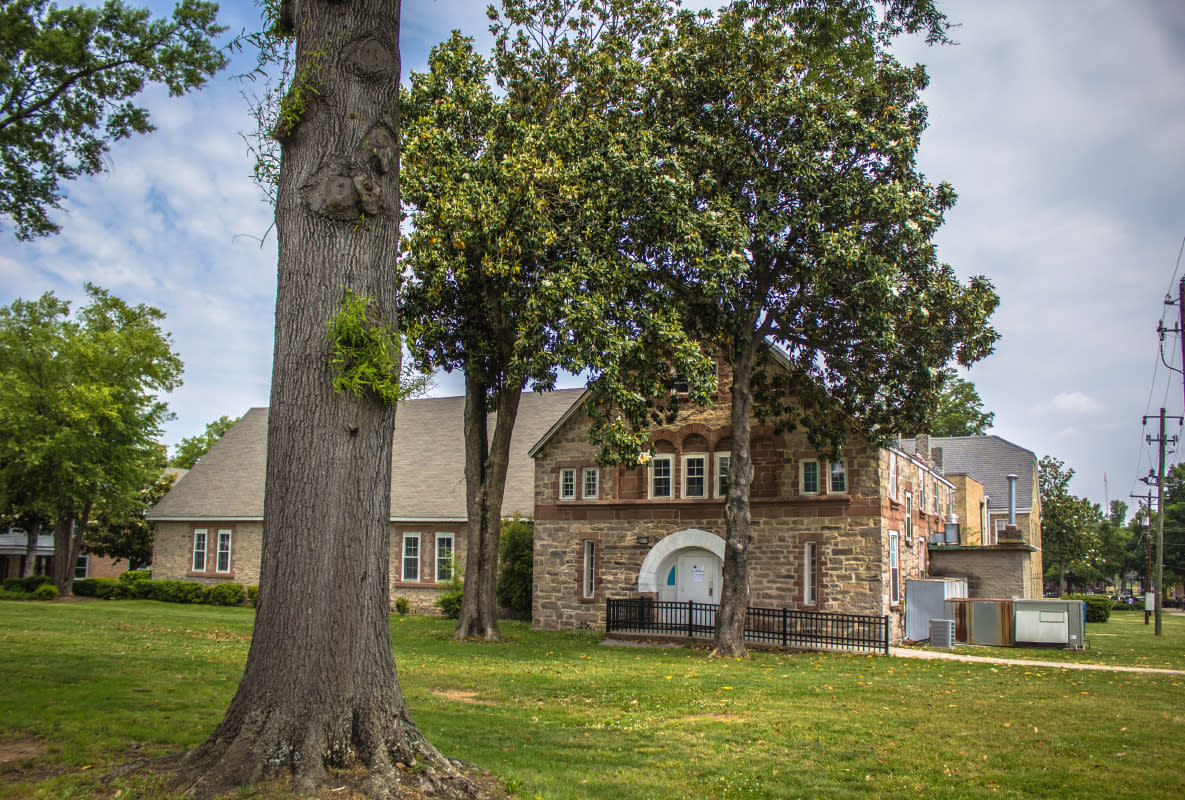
[{"x": 1060, "y": 123}]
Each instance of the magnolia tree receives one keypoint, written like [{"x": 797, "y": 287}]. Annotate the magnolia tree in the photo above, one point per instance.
[{"x": 794, "y": 218}]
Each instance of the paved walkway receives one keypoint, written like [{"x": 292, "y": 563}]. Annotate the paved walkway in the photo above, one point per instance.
[{"x": 909, "y": 652}]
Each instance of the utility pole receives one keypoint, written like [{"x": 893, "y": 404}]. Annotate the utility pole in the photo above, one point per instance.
[{"x": 1159, "y": 587}]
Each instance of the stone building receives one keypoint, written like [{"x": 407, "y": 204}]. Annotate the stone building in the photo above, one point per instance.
[
  {"x": 838, "y": 536},
  {"x": 209, "y": 527}
]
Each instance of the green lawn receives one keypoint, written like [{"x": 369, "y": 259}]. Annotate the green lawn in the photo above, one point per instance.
[{"x": 91, "y": 685}]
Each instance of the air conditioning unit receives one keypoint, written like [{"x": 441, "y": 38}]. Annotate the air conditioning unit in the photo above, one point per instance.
[
  {"x": 1060, "y": 622},
  {"x": 942, "y": 633}
]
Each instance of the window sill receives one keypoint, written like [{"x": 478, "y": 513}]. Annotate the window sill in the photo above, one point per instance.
[{"x": 226, "y": 575}]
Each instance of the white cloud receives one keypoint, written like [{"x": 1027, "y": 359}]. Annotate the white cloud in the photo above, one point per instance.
[{"x": 1075, "y": 403}]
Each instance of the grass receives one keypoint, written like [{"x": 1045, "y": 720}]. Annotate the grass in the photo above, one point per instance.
[
  {"x": 92, "y": 685},
  {"x": 1124, "y": 640}
]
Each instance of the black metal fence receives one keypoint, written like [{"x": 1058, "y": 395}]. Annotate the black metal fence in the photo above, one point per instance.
[{"x": 779, "y": 627}]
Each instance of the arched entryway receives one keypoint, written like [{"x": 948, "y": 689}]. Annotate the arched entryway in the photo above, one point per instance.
[{"x": 683, "y": 566}]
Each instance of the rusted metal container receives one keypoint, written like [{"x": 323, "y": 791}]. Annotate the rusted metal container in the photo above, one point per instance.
[{"x": 987, "y": 622}]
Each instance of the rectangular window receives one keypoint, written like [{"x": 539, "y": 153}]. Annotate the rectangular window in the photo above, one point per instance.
[
  {"x": 444, "y": 556},
  {"x": 723, "y": 461},
  {"x": 695, "y": 476},
  {"x": 922, "y": 496},
  {"x": 590, "y": 569},
  {"x": 411, "y": 556},
  {"x": 199, "y": 550},
  {"x": 589, "y": 482},
  {"x": 894, "y": 570},
  {"x": 839, "y": 477},
  {"x": 892, "y": 475},
  {"x": 80, "y": 567},
  {"x": 568, "y": 484},
  {"x": 810, "y": 574},
  {"x": 660, "y": 476},
  {"x": 808, "y": 476},
  {"x": 222, "y": 564},
  {"x": 908, "y": 517}
]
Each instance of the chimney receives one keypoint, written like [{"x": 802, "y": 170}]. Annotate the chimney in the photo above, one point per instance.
[
  {"x": 936, "y": 458},
  {"x": 1011, "y": 533},
  {"x": 921, "y": 446}
]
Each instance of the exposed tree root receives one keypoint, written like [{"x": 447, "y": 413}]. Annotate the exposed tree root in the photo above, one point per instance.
[{"x": 383, "y": 767}]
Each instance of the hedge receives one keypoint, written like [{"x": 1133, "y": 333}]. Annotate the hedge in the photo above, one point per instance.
[
  {"x": 46, "y": 591},
  {"x": 1098, "y": 606},
  {"x": 27, "y": 585},
  {"x": 226, "y": 594}
]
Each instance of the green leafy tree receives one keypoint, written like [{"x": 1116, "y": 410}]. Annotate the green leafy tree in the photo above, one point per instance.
[
  {"x": 1069, "y": 524},
  {"x": 514, "y": 273},
  {"x": 1174, "y": 525},
  {"x": 79, "y": 410},
  {"x": 1115, "y": 544},
  {"x": 795, "y": 219},
  {"x": 960, "y": 409},
  {"x": 191, "y": 448},
  {"x": 119, "y": 530},
  {"x": 67, "y": 79}
]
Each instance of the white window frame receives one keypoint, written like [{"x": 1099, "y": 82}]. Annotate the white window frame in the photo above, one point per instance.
[
  {"x": 721, "y": 469},
  {"x": 843, "y": 464},
  {"x": 810, "y": 573},
  {"x": 83, "y": 562},
  {"x": 408, "y": 537},
  {"x": 802, "y": 476},
  {"x": 670, "y": 476},
  {"x": 589, "y": 570},
  {"x": 894, "y": 569},
  {"x": 892, "y": 475},
  {"x": 223, "y": 552},
  {"x": 201, "y": 536},
  {"x": 568, "y": 483},
  {"x": 586, "y": 474},
  {"x": 922, "y": 494},
  {"x": 447, "y": 563},
  {"x": 702, "y": 458},
  {"x": 999, "y": 524},
  {"x": 908, "y": 517}
]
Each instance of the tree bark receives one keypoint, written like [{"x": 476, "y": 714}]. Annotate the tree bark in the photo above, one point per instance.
[
  {"x": 30, "y": 564},
  {"x": 67, "y": 545},
  {"x": 320, "y": 689},
  {"x": 486, "y": 465},
  {"x": 729, "y": 641}
]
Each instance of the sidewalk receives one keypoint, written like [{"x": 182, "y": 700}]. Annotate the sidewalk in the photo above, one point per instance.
[{"x": 909, "y": 652}]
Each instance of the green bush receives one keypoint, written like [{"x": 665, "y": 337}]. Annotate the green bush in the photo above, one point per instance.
[
  {"x": 1098, "y": 607},
  {"x": 172, "y": 591},
  {"x": 31, "y": 584},
  {"x": 14, "y": 585},
  {"x": 46, "y": 591},
  {"x": 133, "y": 576},
  {"x": 402, "y": 606},
  {"x": 103, "y": 588},
  {"x": 226, "y": 594},
  {"x": 516, "y": 565},
  {"x": 253, "y": 595},
  {"x": 449, "y": 601}
]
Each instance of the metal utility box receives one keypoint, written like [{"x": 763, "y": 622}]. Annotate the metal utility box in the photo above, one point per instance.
[
  {"x": 1061, "y": 622},
  {"x": 942, "y": 633},
  {"x": 987, "y": 622},
  {"x": 925, "y": 599}
]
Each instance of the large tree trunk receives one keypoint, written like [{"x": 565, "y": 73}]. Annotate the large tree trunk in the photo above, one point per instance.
[
  {"x": 320, "y": 689},
  {"x": 486, "y": 464},
  {"x": 729, "y": 640},
  {"x": 29, "y": 565},
  {"x": 67, "y": 545}
]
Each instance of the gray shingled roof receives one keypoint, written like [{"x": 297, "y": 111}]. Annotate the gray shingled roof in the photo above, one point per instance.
[
  {"x": 427, "y": 469},
  {"x": 989, "y": 460}
]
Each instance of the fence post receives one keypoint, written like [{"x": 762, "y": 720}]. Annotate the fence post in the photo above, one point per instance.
[
  {"x": 886, "y": 634},
  {"x": 785, "y": 623}
]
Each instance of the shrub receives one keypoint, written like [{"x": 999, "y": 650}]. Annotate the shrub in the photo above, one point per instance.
[
  {"x": 14, "y": 585},
  {"x": 134, "y": 576},
  {"x": 402, "y": 605},
  {"x": 46, "y": 591},
  {"x": 1098, "y": 607},
  {"x": 253, "y": 595},
  {"x": 172, "y": 591},
  {"x": 103, "y": 588},
  {"x": 449, "y": 601},
  {"x": 226, "y": 594},
  {"x": 515, "y": 566},
  {"x": 30, "y": 584}
]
